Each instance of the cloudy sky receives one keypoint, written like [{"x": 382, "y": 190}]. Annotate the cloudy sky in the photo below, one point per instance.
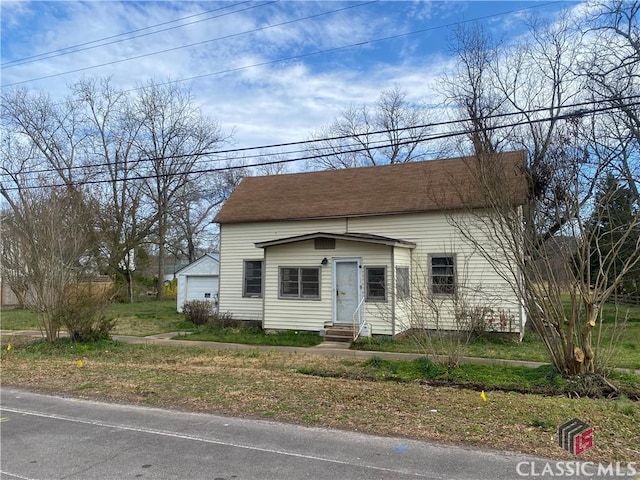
[{"x": 270, "y": 71}]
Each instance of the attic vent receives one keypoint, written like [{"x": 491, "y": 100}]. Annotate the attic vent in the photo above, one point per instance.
[{"x": 324, "y": 243}]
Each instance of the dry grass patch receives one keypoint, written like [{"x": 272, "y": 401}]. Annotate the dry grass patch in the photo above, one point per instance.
[{"x": 269, "y": 385}]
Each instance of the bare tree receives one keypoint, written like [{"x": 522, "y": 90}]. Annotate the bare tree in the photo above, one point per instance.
[
  {"x": 471, "y": 87},
  {"x": 40, "y": 148},
  {"x": 535, "y": 82},
  {"x": 51, "y": 130},
  {"x": 124, "y": 222},
  {"x": 611, "y": 70},
  {"x": 174, "y": 141},
  {"x": 271, "y": 164},
  {"x": 392, "y": 132},
  {"x": 136, "y": 153},
  {"x": 562, "y": 300},
  {"x": 50, "y": 233}
]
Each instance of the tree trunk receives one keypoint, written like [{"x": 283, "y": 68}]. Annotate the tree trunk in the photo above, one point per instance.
[
  {"x": 129, "y": 278},
  {"x": 584, "y": 356},
  {"x": 162, "y": 233},
  {"x": 50, "y": 329}
]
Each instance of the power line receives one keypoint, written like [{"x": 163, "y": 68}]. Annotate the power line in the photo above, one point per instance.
[
  {"x": 167, "y": 50},
  {"x": 285, "y": 59},
  {"x": 578, "y": 112},
  {"x": 316, "y": 156},
  {"x": 90, "y": 45}
]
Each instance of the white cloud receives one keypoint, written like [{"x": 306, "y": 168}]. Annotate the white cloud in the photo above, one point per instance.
[{"x": 271, "y": 103}]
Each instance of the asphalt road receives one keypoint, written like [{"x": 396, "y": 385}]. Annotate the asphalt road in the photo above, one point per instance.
[{"x": 46, "y": 437}]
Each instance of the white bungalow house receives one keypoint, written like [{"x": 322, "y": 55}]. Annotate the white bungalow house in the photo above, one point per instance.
[
  {"x": 379, "y": 248},
  {"x": 198, "y": 280}
]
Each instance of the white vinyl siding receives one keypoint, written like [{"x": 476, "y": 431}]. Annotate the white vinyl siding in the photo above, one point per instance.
[
  {"x": 282, "y": 313},
  {"x": 432, "y": 233},
  {"x": 476, "y": 279},
  {"x": 237, "y": 244}
]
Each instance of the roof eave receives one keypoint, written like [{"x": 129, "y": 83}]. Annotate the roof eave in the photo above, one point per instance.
[{"x": 337, "y": 236}]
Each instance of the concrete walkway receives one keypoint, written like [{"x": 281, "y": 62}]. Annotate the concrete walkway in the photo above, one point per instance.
[{"x": 337, "y": 349}]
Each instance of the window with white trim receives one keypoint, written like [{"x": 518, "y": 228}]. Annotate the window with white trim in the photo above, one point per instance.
[
  {"x": 442, "y": 270},
  {"x": 299, "y": 282}
]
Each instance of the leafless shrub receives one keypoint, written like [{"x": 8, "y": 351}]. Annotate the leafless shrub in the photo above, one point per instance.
[
  {"x": 198, "y": 311},
  {"x": 83, "y": 312}
]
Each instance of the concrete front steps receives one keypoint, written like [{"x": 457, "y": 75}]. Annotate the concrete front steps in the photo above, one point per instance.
[{"x": 339, "y": 333}]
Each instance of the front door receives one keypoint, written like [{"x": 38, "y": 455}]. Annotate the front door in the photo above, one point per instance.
[{"x": 347, "y": 290}]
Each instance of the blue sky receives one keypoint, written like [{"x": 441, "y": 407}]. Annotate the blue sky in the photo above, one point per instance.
[{"x": 270, "y": 71}]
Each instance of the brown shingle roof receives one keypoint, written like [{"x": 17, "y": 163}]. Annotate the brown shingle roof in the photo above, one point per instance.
[{"x": 400, "y": 188}]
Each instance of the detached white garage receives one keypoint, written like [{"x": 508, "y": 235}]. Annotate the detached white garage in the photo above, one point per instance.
[{"x": 199, "y": 280}]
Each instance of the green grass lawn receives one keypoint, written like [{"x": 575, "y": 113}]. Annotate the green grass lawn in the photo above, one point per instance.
[
  {"x": 626, "y": 353},
  {"x": 254, "y": 336},
  {"x": 137, "y": 319},
  {"x": 147, "y": 318},
  {"x": 152, "y": 317},
  {"x": 542, "y": 380},
  {"x": 619, "y": 341},
  {"x": 366, "y": 395},
  {"x": 18, "y": 319}
]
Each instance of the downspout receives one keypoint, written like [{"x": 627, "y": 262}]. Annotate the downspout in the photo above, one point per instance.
[{"x": 393, "y": 292}]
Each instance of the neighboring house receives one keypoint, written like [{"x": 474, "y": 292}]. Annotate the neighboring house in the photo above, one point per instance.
[
  {"x": 373, "y": 246},
  {"x": 198, "y": 280},
  {"x": 172, "y": 267}
]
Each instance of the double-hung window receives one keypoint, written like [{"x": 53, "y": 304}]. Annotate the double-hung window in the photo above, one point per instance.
[
  {"x": 376, "y": 283},
  {"x": 299, "y": 282},
  {"x": 443, "y": 274},
  {"x": 252, "y": 281}
]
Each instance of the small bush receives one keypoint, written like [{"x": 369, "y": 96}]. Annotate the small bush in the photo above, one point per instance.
[
  {"x": 589, "y": 385},
  {"x": 170, "y": 288},
  {"x": 198, "y": 311},
  {"x": 223, "y": 320},
  {"x": 83, "y": 313}
]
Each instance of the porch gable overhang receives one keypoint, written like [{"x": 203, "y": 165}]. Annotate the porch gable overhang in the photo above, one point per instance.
[{"x": 353, "y": 237}]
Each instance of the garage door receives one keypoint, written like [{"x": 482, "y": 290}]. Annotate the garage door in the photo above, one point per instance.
[{"x": 202, "y": 288}]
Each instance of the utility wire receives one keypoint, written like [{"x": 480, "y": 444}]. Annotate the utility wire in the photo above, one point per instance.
[
  {"x": 173, "y": 49},
  {"x": 579, "y": 111},
  {"x": 91, "y": 45},
  {"x": 313, "y": 157},
  {"x": 284, "y": 59}
]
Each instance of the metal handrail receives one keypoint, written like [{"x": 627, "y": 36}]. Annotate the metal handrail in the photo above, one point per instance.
[{"x": 356, "y": 333}]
